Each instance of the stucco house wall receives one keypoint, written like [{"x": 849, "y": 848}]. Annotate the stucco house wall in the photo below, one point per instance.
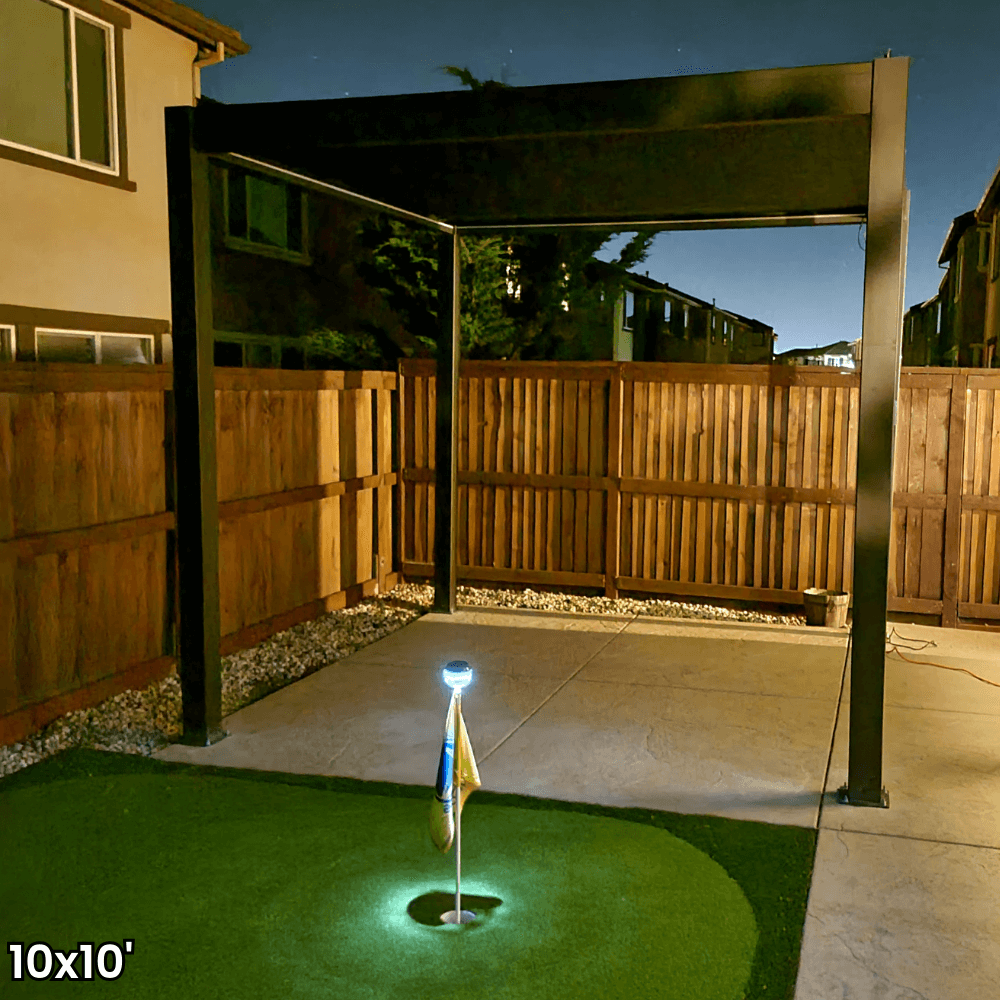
[{"x": 82, "y": 253}]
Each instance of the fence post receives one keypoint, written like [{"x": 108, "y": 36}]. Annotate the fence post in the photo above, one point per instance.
[
  {"x": 400, "y": 463},
  {"x": 199, "y": 661},
  {"x": 383, "y": 437},
  {"x": 613, "y": 524},
  {"x": 953, "y": 501}
]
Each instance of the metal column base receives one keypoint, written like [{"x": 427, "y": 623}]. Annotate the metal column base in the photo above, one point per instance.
[
  {"x": 203, "y": 739},
  {"x": 844, "y": 799}
]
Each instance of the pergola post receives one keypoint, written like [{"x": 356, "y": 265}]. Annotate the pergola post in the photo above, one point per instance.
[
  {"x": 446, "y": 449},
  {"x": 880, "y": 337},
  {"x": 197, "y": 508}
]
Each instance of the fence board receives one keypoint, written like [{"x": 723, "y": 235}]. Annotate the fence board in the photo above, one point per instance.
[
  {"x": 683, "y": 436},
  {"x": 85, "y": 517}
]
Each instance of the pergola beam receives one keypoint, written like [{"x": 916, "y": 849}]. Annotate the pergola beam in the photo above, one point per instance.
[
  {"x": 446, "y": 426},
  {"x": 881, "y": 343},
  {"x": 197, "y": 506}
]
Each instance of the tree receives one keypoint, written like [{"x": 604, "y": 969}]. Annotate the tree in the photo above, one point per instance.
[
  {"x": 527, "y": 295},
  {"x": 403, "y": 264}
]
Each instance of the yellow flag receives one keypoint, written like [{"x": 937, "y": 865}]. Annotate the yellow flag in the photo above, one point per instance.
[{"x": 442, "y": 809}]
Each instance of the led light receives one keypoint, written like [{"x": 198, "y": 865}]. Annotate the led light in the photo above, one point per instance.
[{"x": 457, "y": 675}]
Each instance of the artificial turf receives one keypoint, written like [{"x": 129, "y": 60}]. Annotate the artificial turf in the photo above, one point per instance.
[{"x": 237, "y": 883}]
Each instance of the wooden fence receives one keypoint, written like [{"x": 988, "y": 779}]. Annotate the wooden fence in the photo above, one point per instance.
[
  {"x": 87, "y": 567},
  {"x": 721, "y": 481}
]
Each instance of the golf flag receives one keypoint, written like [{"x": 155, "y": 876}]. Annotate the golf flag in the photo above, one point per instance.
[{"x": 442, "y": 810}]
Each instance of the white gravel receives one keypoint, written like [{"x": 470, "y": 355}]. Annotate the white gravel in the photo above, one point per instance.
[{"x": 144, "y": 721}]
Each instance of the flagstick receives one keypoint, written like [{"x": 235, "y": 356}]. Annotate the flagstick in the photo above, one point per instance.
[{"x": 458, "y": 806}]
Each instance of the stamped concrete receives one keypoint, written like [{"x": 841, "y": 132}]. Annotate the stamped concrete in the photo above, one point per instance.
[{"x": 746, "y": 721}]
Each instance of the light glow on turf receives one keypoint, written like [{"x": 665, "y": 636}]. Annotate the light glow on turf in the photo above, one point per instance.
[{"x": 395, "y": 903}]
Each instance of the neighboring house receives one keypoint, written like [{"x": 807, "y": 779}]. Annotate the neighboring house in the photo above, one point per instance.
[
  {"x": 841, "y": 354},
  {"x": 654, "y": 322},
  {"x": 961, "y": 324},
  {"x": 988, "y": 223},
  {"x": 84, "y": 235},
  {"x": 283, "y": 267}
]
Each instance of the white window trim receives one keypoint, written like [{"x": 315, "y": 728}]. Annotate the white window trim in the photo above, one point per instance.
[
  {"x": 97, "y": 334},
  {"x": 109, "y": 30}
]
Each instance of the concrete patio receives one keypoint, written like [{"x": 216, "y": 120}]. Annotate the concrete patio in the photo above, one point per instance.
[{"x": 739, "y": 720}]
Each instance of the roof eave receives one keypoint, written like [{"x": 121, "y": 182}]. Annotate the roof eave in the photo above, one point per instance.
[
  {"x": 185, "y": 21},
  {"x": 991, "y": 196},
  {"x": 958, "y": 226}
]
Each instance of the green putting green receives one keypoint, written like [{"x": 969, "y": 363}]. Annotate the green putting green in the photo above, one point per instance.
[{"x": 255, "y": 884}]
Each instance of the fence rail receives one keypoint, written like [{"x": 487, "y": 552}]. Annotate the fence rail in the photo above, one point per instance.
[
  {"x": 724, "y": 481},
  {"x": 87, "y": 566}
]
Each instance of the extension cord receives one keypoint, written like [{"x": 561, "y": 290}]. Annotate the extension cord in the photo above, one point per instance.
[{"x": 893, "y": 648}]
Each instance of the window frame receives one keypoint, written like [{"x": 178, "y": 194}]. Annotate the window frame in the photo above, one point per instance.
[
  {"x": 114, "y": 21},
  {"x": 994, "y": 249},
  {"x": 239, "y": 243},
  {"x": 97, "y": 335},
  {"x": 985, "y": 242},
  {"x": 8, "y": 342}
]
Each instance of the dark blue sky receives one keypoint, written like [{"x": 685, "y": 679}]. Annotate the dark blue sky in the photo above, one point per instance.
[{"x": 807, "y": 283}]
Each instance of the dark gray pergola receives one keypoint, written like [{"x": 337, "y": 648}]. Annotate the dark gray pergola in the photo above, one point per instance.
[{"x": 819, "y": 145}]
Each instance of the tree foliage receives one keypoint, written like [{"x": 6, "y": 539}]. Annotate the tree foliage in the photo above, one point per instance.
[{"x": 525, "y": 295}]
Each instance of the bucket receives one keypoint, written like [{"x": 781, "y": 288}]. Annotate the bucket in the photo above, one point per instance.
[{"x": 826, "y": 607}]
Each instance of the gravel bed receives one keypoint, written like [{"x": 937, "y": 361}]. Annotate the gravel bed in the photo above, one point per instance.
[{"x": 142, "y": 722}]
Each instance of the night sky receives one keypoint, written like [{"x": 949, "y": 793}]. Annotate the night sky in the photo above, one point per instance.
[{"x": 806, "y": 282}]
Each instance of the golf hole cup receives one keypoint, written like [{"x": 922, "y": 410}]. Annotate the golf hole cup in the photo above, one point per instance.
[{"x": 458, "y": 675}]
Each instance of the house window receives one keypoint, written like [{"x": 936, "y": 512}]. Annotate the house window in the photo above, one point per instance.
[
  {"x": 264, "y": 215},
  {"x": 228, "y": 354},
  {"x": 957, "y": 275},
  {"x": 8, "y": 343},
  {"x": 995, "y": 273},
  {"x": 57, "y": 78},
  {"x": 758, "y": 338},
  {"x": 93, "y": 348},
  {"x": 629, "y": 310},
  {"x": 983, "y": 263},
  {"x": 253, "y": 350}
]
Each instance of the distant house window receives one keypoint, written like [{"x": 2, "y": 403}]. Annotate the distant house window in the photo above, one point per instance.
[
  {"x": 8, "y": 343},
  {"x": 758, "y": 338},
  {"x": 983, "y": 263},
  {"x": 995, "y": 247},
  {"x": 93, "y": 348},
  {"x": 265, "y": 215},
  {"x": 629, "y": 310},
  {"x": 957, "y": 276},
  {"x": 57, "y": 81},
  {"x": 228, "y": 354},
  {"x": 667, "y": 312}
]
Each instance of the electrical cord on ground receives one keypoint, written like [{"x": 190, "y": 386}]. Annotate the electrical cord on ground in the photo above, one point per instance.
[{"x": 893, "y": 647}]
